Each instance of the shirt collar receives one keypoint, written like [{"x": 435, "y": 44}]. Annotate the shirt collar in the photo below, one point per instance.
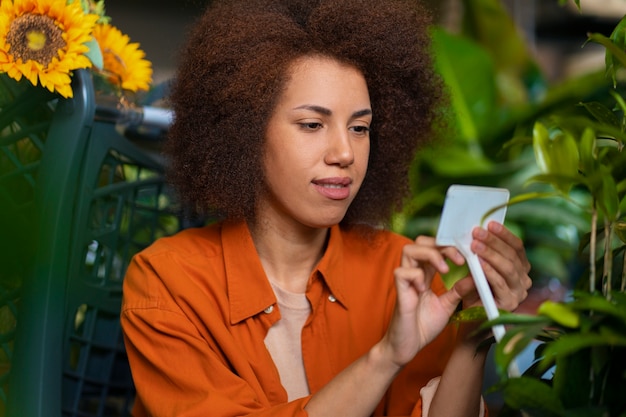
[
  {"x": 332, "y": 265},
  {"x": 249, "y": 291}
]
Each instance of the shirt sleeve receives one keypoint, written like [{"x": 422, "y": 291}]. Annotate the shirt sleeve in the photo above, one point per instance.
[{"x": 176, "y": 371}]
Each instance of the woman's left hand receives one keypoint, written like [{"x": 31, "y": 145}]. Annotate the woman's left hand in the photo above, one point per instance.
[{"x": 505, "y": 264}]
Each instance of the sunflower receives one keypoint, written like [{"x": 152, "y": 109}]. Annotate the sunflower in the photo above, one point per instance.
[
  {"x": 124, "y": 63},
  {"x": 44, "y": 41}
]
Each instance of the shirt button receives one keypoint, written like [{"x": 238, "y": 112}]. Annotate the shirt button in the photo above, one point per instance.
[
  {"x": 332, "y": 298},
  {"x": 269, "y": 310}
]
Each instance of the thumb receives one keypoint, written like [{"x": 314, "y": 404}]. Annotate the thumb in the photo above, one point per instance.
[
  {"x": 451, "y": 299},
  {"x": 465, "y": 286}
]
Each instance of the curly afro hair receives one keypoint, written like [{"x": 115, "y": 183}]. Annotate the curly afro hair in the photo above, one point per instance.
[{"x": 233, "y": 70}]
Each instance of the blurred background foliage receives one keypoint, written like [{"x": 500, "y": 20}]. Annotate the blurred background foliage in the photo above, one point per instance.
[{"x": 497, "y": 90}]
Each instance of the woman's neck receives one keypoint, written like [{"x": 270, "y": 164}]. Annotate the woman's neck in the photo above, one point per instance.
[{"x": 289, "y": 254}]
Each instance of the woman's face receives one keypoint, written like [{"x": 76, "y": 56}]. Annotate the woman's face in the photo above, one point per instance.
[{"x": 317, "y": 144}]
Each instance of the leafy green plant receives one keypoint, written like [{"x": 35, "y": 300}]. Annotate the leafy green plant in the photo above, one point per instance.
[
  {"x": 561, "y": 149},
  {"x": 580, "y": 358},
  {"x": 580, "y": 364}
]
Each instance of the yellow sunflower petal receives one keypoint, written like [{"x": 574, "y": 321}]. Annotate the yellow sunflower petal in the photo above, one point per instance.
[
  {"x": 123, "y": 61},
  {"x": 30, "y": 72},
  {"x": 57, "y": 81},
  {"x": 15, "y": 74},
  {"x": 52, "y": 67},
  {"x": 65, "y": 90}
]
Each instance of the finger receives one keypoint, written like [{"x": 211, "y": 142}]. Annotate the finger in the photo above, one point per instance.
[
  {"x": 504, "y": 262},
  {"x": 465, "y": 287},
  {"x": 511, "y": 241},
  {"x": 507, "y": 293},
  {"x": 510, "y": 261},
  {"x": 414, "y": 287},
  {"x": 450, "y": 300},
  {"x": 414, "y": 256},
  {"x": 508, "y": 283},
  {"x": 449, "y": 252},
  {"x": 453, "y": 254},
  {"x": 412, "y": 277}
]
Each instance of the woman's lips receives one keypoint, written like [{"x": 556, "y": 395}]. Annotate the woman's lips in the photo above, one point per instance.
[{"x": 333, "y": 188}]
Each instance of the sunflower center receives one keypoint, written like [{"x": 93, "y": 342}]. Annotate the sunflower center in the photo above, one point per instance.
[{"x": 35, "y": 37}]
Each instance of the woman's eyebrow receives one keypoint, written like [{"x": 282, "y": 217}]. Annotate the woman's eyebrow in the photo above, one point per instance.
[
  {"x": 315, "y": 108},
  {"x": 361, "y": 113},
  {"x": 328, "y": 112}
]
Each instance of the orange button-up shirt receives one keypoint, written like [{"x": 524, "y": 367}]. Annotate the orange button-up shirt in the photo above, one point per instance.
[{"x": 197, "y": 307}]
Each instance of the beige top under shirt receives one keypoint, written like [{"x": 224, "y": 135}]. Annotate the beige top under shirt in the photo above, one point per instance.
[{"x": 284, "y": 341}]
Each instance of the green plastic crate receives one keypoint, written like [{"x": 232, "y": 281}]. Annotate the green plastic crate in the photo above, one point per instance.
[{"x": 85, "y": 201}]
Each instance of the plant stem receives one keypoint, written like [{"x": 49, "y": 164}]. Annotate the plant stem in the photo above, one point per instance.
[
  {"x": 607, "y": 273},
  {"x": 592, "y": 248},
  {"x": 623, "y": 286}
]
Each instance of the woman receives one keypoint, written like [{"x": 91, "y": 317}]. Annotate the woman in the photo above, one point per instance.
[{"x": 296, "y": 123}]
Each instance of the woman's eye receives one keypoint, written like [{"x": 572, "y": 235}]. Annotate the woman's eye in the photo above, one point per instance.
[
  {"x": 311, "y": 125},
  {"x": 362, "y": 130}
]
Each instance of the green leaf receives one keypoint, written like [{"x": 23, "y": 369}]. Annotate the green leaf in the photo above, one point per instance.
[
  {"x": 573, "y": 342},
  {"x": 613, "y": 337},
  {"x": 467, "y": 70},
  {"x": 514, "y": 342},
  {"x": 618, "y": 39},
  {"x": 518, "y": 76},
  {"x": 555, "y": 154},
  {"x": 571, "y": 379},
  {"x": 520, "y": 199},
  {"x": 530, "y": 394},
  {"x": 559, "y": 312},
  {"x": 602, "y": 113},
  {"x": 597, "y": 303},
  {"x": 563, "y": 183},
  {"x": 457, "y": 161},
  {"x": 615, "y": 57},
  {"x": 469, "y": 314},
  {"x": 608, "y": 198},
  {"x": 94, "y": 53},
  {"x": 588, "y": 153},
  {"x": 564, "y": 154},
  {"x": 619, "y": 100},
  {"x": 541, "y": 146},
  {"x": 600, "y": 358},
  {"x": 564, "y": 2}
]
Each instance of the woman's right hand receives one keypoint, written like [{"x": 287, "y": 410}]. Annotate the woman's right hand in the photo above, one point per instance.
[{"x": 420, "y": 314}]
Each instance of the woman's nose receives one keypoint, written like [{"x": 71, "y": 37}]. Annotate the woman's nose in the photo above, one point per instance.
[{"x": 339, "y": 150}]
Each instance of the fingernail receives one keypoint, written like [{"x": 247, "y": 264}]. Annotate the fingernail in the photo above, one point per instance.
[
  {"x": 481, "y": 233},
  {"x": 479, "y": 247},
  {"x": 495, "y": 226}
]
